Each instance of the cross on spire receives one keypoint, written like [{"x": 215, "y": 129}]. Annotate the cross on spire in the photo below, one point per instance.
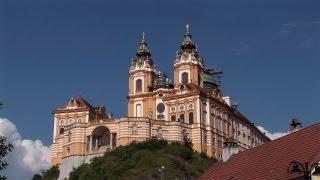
[
  {"x": 187, "y": 28},
  {"x": 143, "y": 36}
]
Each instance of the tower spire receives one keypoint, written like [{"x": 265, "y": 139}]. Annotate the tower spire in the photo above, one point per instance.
[
  {"x": 187, "y": 40},
  {"x": 143, "y": 50}
]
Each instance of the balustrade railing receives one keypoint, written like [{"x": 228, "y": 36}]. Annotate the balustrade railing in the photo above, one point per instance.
[{"x": 101, "y": 149}]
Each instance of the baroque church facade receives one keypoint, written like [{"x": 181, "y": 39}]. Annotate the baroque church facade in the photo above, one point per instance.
[{"x": 192, "y": 106}]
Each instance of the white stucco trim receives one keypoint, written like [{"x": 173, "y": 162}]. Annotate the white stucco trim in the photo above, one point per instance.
[
  {"x": 136, "y": 114},
  {"x": 208, "y": 112},
  {"x": 198, "y": 109},
  {"x": 54, "y": 128},
  {"x": 134, "y": 84},
  {"x": 189, "y": 75}
]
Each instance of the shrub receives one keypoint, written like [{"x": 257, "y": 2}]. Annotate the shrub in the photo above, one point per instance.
[{"x": 142, "y": 160}]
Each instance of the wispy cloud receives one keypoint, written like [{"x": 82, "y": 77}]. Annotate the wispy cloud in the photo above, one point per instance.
[
  {"x": 272, "y": 135},
  {"x": 308, "y": 42},
  {"x": 303, "y": 34},
  {"x": 28, "y": 157},
  {"x": 293, "y": 27},
  {"x": 242, "y": 48}
]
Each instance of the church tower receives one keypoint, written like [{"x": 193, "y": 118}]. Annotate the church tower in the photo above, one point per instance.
[
  {"x": 188, "y": 65},
  {"x": 141, "y": 76}
]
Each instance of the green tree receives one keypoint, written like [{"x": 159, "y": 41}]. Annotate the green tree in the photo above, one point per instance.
[
  {"x": 50, "y": 174},
  {"x": 152, "y": 159},
  {"x": 36, "y": 177},
  {"x": 187, "y": 142},
  {"x": 4, "y": 150}
]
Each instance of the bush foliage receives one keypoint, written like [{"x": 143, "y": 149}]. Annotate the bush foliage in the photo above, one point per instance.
[
  {"x": 5, "y": 148},
  {"x": 50, "y": 174},
  {"x": 153, "y": 159}
]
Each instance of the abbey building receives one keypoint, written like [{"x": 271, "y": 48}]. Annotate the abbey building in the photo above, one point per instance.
[{"x": 191, "y": 105}]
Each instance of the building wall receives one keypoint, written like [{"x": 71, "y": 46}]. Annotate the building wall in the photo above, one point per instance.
[
  {"x": 81, "y": 130},
  {"x": 205, "y": 137}
]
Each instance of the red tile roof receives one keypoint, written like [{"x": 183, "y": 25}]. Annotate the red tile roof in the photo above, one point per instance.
[
  {"x": 82, "y": 105},
  {"x": 270, "y": 160}
]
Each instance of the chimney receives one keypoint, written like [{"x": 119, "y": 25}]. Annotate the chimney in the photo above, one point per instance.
[
  {"x": 295, "y": 125},
  {"x": 230, "y": 148}
]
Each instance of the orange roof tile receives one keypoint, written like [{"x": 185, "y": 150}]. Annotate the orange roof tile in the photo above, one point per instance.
[{"x": 270, "y": 160}]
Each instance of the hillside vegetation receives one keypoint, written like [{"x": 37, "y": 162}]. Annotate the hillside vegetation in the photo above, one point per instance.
[{"x": 153, "y": 159}]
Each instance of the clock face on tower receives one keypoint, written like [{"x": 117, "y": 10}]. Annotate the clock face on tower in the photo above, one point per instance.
[
  {"x": 140, "y": 63},
  {"x": 183, "y": 58}
]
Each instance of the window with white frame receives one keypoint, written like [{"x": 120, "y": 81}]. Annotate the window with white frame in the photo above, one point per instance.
[
  {"x": 185, "y": 78},
  {"x": 139, "y": 85}
]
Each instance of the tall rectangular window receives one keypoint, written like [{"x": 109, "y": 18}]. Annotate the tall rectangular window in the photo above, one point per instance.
[
  {"x": 138, "y": 110},
  {"x": 190, "y": 117},
  {"x": 138, "y": 85}
]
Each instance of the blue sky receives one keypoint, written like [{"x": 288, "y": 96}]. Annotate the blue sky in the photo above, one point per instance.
[{"x": 51, "y": 50}]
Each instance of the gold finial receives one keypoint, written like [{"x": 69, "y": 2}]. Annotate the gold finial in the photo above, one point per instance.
[
  {"x": 143, "y": 36},
  {"x": 187, "y": 28}
]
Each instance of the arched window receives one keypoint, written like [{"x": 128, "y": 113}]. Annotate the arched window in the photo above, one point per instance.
[
  {"x": 224, "y": 126},
  {"x": 204, "y": 116},
  {"x": 100, "y": 137},
  {"x": 184, "y": 78},
  {"x": 190, "y": 117},
  {"x": 181, "y": 118},
  {"x": 138, "y": 85},
  {"x": 173, "y": 118},
  {"x": 61, "y": 131}
]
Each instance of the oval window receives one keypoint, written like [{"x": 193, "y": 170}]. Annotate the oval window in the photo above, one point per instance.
[{"x": 160, "y": 108}]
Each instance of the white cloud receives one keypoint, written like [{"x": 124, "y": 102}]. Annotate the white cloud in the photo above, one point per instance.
[
  {"x": 271, "y": 135},
  {"x": 28, "y": 157}
]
